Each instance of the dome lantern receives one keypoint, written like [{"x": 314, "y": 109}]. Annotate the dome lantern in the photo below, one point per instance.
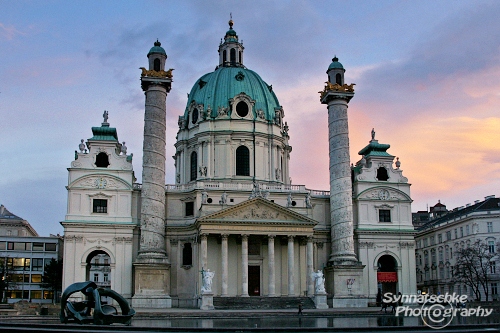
[{"x": 231, "y": 50}]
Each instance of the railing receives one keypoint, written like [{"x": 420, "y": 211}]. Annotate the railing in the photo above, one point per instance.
[{"x": 229, "y": 186}]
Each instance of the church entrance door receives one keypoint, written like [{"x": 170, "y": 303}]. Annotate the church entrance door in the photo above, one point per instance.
[{"x": 254, "y": 280}]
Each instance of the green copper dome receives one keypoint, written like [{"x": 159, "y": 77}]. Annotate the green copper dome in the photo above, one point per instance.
[
  {"x": 215, "y": 89},
  {"x": 157, "y": 49},
  {"x": 335, "y": 64}
]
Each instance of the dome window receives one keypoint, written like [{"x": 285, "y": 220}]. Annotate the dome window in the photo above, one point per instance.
[
  {"x": 242, "y": 161},
  {"x": 157, "y": 65},
  {"x": 194, "y": 165},
  {"x": 194, "y": 117},
  {"x": 382, "y": 174},
  {"x": 101, "y": 160},
  {"x": 242, "y": 109},
  {"x": 224, "y": 58}
]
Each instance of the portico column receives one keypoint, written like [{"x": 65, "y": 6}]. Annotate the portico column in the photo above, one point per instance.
[
  {"x": 310, "y": 282},
  {"x": 244, "y": 265},
  {"x": 204, "y": 251},
  {"x": 224, "y": 264},
  {"x": 291, "y": 285},
  {"x": 270, "y": 252}
]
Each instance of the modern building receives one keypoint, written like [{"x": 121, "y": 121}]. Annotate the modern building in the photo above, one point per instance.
[
  {"x": 233, "y": 209},
  {"x": 449, "y": 230},
  {"x": 23, "y": 256}
]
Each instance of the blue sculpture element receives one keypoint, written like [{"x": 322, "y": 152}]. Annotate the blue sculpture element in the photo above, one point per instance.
[{"x": 103, "y": 314}]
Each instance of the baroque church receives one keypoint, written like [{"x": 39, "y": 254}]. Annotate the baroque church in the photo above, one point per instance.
[{"x": 233, "y": 215}]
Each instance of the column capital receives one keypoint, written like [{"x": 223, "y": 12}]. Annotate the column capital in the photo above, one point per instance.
[
  {"x": 291, "y": 237},
  {"x": 310, "y": 238},
  {"x": 244, "y": 237},
  {"x": 203, "y": 236},
  {"x": 271, "y": 236},
  {"x": 224, "y": 236}
]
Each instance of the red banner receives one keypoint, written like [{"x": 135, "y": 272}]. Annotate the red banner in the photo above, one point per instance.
[{"x": 387, "y": 276}]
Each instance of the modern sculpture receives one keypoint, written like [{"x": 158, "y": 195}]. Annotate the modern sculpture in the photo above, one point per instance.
[{"x": 103, "y": 314}]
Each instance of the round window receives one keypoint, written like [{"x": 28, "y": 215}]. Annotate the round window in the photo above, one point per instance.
[
  {"x": 242, "y": 109},
  {"x": 194, "y": 118}
]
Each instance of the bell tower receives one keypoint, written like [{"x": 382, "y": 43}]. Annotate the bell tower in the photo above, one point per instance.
[{"x": 152, "y": 266}]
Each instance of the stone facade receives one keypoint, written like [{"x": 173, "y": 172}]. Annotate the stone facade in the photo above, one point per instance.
[{"x": 233, "y": 209}]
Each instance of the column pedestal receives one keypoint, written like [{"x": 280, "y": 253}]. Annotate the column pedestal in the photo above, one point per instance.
[
  {"x": 207, "y": 301},
  {"x": 152, "y": 285},
  {"x": 320, "y": 301},
  {"x": 345, "y": 282}
]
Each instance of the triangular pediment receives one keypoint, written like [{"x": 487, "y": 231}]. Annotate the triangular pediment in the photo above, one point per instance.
[{"x": 258, "y": 211}]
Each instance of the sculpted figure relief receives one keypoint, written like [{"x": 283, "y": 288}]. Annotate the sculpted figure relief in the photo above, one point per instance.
[
  {"x": 319, "y": 281},
  {"x": 207, "y": 281}
]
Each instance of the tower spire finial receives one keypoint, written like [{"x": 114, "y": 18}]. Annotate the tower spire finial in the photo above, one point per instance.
[{"x": 231, "y": 20}]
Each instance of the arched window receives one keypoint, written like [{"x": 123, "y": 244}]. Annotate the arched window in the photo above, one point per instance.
[
  {"x": 224, "y": 57},
  {"x": 194, "y": 165},
  {"x": 242, "y": 161},
  {"x": 242, "y": 109},
  {"x": 239, "y": 59},
  {"x": 157, "y": 64},
  {"x": 187, "y": 255},
  {"x": 101, "y": 160},
  {"x": 233, "y": 57},
  {"x": 338, "y": 79},
  {"x": 382, "y": 174}
]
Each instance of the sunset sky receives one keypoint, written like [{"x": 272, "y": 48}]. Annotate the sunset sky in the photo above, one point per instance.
[{"x": 427, "y": 77}]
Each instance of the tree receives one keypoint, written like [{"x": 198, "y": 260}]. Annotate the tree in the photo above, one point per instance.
[
  {"x": 52, "y": 276},
  {"x": 5, "y": 277},
  {"x": 472, "y": 267}
]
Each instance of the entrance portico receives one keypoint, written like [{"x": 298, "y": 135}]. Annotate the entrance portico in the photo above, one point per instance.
[{"x": 257, "y": 248}]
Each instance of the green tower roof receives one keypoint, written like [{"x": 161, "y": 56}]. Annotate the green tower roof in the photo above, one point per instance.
[
  {"x": 157, "y": 49},
  {"x": 335, "y": 64},
  {"x": 375, "y": 149},
  {"x": 104, "y": 133}
]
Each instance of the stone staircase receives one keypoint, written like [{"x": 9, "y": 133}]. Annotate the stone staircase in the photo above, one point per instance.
[{"x": 258, "y": 302}]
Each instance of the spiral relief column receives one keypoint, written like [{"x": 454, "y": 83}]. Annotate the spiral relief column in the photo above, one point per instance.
[
  {"x": 152, "y": 267},
  {"x": 343, "y": 264}
]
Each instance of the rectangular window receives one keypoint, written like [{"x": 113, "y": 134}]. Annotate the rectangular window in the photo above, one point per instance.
[
  {"x": 96, "y": 277},
  {"x": 448, "y": 235},
  {"x": 36, "y": 294},
  {"x": 491, "y": 246},
  {"x": 48, "y": 294},
  {"x": 456, "y": 234},
  {"x": 189, "y": 208},
  {"x": 100, "y": 206},
  {"x": 106, "y": 277},
  {"x": 432, "y": 240},
  {"x": 37, "y": 246},
  {"x": 440, "y": 238},
  {"x": 18, "y": 264},
  {"x": 425, "y": 242},
  {"x": 494, "y": 289},
  {"x": 36, "y": 278},
  {"x": 19, "y": 246},
  {"x": 37, "y": 264},
  {"x": 27, "y": 263},
  {"x": 490, "y": 226},
  {"x": 493, "y": 267},
  {"x": 384, "y": 215},
  {"x": 50, "y": 246},
  {"x": 467, "y": 230},
  {"x": 461, "y": 231}
]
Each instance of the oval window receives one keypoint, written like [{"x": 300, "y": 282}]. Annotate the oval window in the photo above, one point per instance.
[{"x": 242, "y": 109}]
